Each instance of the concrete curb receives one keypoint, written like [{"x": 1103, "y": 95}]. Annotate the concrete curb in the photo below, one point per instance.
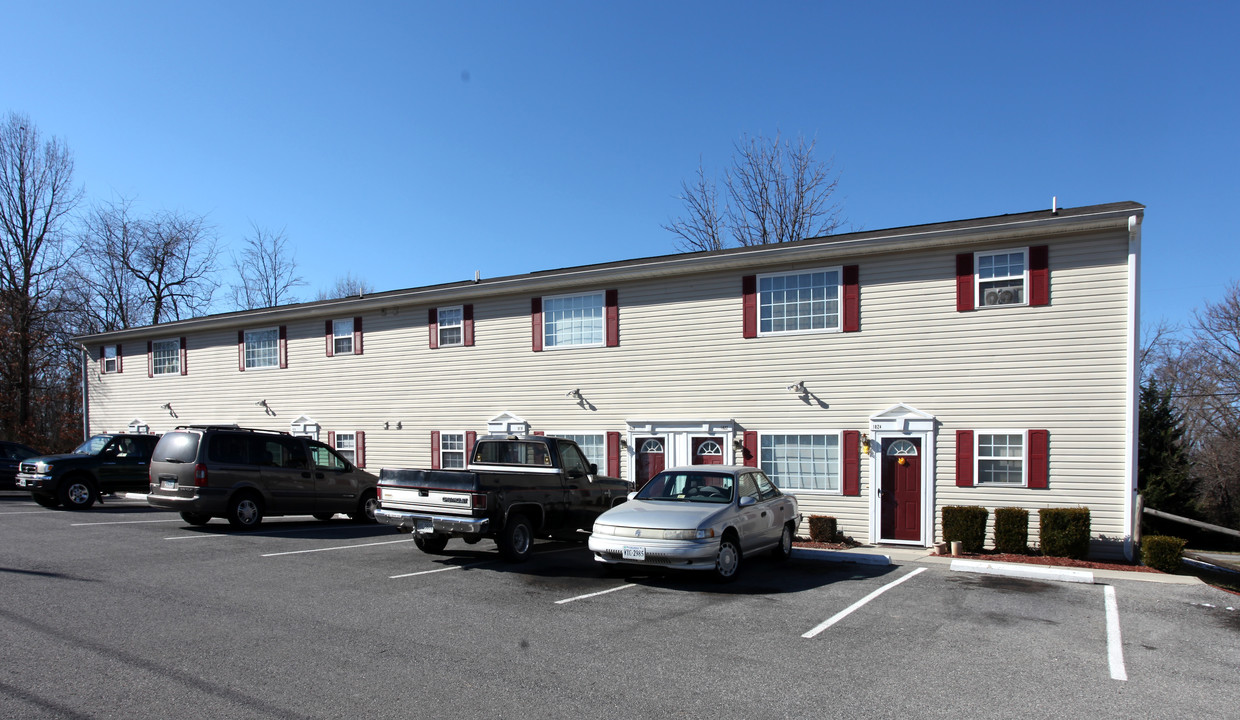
[
  {"x": 1028, "y": 572},
  {"x": 841, "y": 556}
]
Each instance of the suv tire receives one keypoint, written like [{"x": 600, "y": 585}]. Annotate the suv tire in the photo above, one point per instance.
[
  {"x": 77, "y": 493},
  {"x": 245, "y": 511}
]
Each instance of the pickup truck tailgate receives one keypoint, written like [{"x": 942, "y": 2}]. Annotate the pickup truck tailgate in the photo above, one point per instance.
[{"x": 431, "y": 491}]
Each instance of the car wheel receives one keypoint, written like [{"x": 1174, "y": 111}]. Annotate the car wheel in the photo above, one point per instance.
[
  {"x": 194, "y": 518},
  {"x": 77, "y": 494},
  {"x": 365, "y": 512},
  {"x": 432, "y": 543},
  {"x": 783, "y": 550},
  {"x": 728, "y": 559},
  {"x": 324, "y": 516},
  {"x": 245, "y": 511},
  {"x": 516, "y": 541},
  {"x": 45, "y": 501}
]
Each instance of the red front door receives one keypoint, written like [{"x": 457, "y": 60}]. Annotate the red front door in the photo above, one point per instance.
[
  {"x": 900, "y": 490},
  {"x": 707, "y": 451},
  {"x": 650, "y": 459}
]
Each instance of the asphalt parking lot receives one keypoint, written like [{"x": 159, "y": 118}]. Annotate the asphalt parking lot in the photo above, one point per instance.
[{"x": 128, "y": 612}]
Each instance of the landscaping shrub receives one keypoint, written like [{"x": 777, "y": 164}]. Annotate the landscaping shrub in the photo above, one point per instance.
[
  {"x": 1012, "y": 530},
  {"x": 1064, "y": 532},
  {"x": 967, "y": 524},
  {"x": 1162, "y": 552},
  {"x": 822, "y": 528}
]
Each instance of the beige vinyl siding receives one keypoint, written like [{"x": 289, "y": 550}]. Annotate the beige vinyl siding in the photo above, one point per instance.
[{"x": 681, "y": 356}]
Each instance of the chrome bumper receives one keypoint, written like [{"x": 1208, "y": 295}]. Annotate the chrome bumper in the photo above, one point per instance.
[{"x": 445, "y": 524}]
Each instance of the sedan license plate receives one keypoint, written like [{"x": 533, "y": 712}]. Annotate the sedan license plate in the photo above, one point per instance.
[
  {"x": 633, "y": 552},
  {"x": 168, "y": 484}
]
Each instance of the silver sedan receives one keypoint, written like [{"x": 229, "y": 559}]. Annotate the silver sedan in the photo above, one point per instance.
[{"x": 698, "y": 517}]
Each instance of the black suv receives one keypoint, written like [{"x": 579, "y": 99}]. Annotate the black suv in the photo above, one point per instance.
[
  {"x": 102, "y": 464},
  {"x": 11, "y": 454},
  {"x": 242, "y": 475}
]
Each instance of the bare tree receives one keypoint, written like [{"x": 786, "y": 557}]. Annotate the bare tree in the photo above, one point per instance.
[
  {"x": 110, "y": 296},
  {"x": 36, "y": 197},
  {"x": 346, "y": 286},
  {"x": 774, "y": 192},
  {"x": 266, "y": 271},
  {"x": 175, "y": 261}
]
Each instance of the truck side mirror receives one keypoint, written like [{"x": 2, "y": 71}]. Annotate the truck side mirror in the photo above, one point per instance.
[{"x": 594, "y": 468}]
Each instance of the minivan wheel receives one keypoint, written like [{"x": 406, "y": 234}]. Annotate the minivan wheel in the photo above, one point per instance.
[
  {"x": 366, "y": 507},
  {"x": 194, "y": 518},
  {"x": 245, "y": 512},
  {"x": 76, "y": 494}
]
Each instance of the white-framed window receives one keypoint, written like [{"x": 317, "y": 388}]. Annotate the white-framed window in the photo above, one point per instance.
[
  {"x": 346, "y": 446},
  {"x": 451, "y": 326},
  {"x": 342, "y": 336},
  {"x": 806, "y": 301},
  {"x": 594, "y": 445},
  {"x": 166, "y": 357},
  {"x": 1002, "y": 277},
  {"x": 452, "y": 451},
  {"x": 802, "y": 461},
  {"x": 110, "y": 362},
  {"x": 1000, "y": 457},
  {"x": 573, "y": 320},
  {"x": 262, "y": 348}
]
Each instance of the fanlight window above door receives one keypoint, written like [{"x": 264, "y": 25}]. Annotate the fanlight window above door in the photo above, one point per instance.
[
  {"x": 652, "y": 446},
  {"x": 902, "y": 448},
  {"x": 710, "y": 447}
]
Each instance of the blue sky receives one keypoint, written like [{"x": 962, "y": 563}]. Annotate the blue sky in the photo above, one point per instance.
[{"x": 412, "y": 143}]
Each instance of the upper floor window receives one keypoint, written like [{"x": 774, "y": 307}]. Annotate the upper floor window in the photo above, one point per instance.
[
  {"x": 342, "y": 337},
  {"x": 166, "y": 357},
  {"x": 451, "y": 326},
  {"x": 1001, "y": 278},
  {"x": 573, "y": 320},
  {"x": 262, "y": 348},
  {"x": 802, "y": 462},
  {"x": 799, "y": 302},
  {"x": 111, "y": 356}
]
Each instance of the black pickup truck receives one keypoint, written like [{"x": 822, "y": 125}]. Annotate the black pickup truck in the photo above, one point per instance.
[{"x": 515, "y": 489}]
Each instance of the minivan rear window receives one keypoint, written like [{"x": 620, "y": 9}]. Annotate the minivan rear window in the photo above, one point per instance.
[{"x": 177, "y": 447}]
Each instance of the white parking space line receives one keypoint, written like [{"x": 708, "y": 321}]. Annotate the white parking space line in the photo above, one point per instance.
[
  {"x": 437, "y": 570},
  {"x": 28, "y": 512},
  {"x": 1115, "y": 644},
  {"x": 860, "y": 603},
  {"x": 596, "y": 594},
  {"x": 126, "y": 522},
  {"x": 194, "y": 537},
  {"x": 338, "y": 547}
]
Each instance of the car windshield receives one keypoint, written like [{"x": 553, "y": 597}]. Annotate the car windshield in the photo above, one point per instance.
[
  {"x": 92, "y": 446},
  {"x": 678, "y": 486}
]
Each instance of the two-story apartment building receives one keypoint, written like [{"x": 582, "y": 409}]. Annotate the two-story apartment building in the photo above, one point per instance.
[{"x": 878, "y": 375}]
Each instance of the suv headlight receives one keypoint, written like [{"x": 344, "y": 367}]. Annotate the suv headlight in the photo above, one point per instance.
[
  {"x": 43, "y": 468},
  {"x": 699, "y": 534}
]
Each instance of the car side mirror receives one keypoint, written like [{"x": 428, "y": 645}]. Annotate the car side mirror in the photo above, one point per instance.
[{"x": 747, "y": 500}]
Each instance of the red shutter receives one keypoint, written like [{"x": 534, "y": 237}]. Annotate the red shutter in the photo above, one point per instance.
[
  {"x": 434, "y": 449},
  {"x": 150, "y": 360},
  {"x": 103, "y": 351},
  {"x": 184, "y": 358},
  {"x": 329, "y": 333},
  {"x": 613, "y": 454},
  {"x": 241, "y": 350},
  {"x": 536, "y": 323},
  {"x": 283, "y": 346},
  {"x": 1039, "y": 275},
  {"x": 613, "y": 318},
  {"x": 467, "y": 314},
  {"x": 1039, "y": 458},
  {"x": 120, "y": 363},
  {"x": 851, "y": 452},
  {"x": 432, "y": 324},
  {"x": 750, "y": 444},
  {"x": 964, "y": 458},
  {"x": 359, "y": 444},
  {"x": 357, "y": 335},
  {"x": 852, "y": 298},
  {"x": 964, "y": 282},
  {"x": 331, "y": 438},
  {"x": 471, "y": 437},
  {"x": 539, "y": 433},
  {"x": 749, "y": 306}
]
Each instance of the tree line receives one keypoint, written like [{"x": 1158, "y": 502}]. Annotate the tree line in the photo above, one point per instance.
[{"x": 71, "y": 267}]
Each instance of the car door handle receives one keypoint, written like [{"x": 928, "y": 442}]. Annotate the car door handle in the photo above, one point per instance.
[{"x": 763, "y": 513}]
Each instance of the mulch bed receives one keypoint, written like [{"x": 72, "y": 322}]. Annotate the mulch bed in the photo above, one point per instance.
[{"x": 1005, "y": 557}]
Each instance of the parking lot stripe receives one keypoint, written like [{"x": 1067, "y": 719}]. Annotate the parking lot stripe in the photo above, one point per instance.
[
  {"x": 437, "y": 570},
  {"x": 193, "y": 537},
  {"x": 27, "y": 512},
  {"x": 125, "y": 522},
  {"x": 338, "y": 547},
  {"x": 849, "y": 610},
  {"x": 596, "y": 594},
  {"x": 1115, "y": 644}
]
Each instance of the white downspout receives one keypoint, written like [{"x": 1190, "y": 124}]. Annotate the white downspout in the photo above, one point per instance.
[
  {"x": 85, "y": 394},
  {"x": 1132, "y": 393}
]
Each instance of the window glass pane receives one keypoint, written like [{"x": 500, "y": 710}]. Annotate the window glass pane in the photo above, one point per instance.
[
  {"x": 166, "y": 357},
  {"x": 1001, "y": 278},
  {"x": 792, "y": 303},
  {"x": 347, "y": 447},
  {"x": 262, "y": 348},
  {"x": 573, "y": 320},
  {"x": 1000, "y": 459},
  {"x": 594, "y": 447},
  {"x": 802, "y": 462},
  {"x": 452, "y": 451},
  {"x": 342, "y": 337},
  {"x": 451, "y": 322}
]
